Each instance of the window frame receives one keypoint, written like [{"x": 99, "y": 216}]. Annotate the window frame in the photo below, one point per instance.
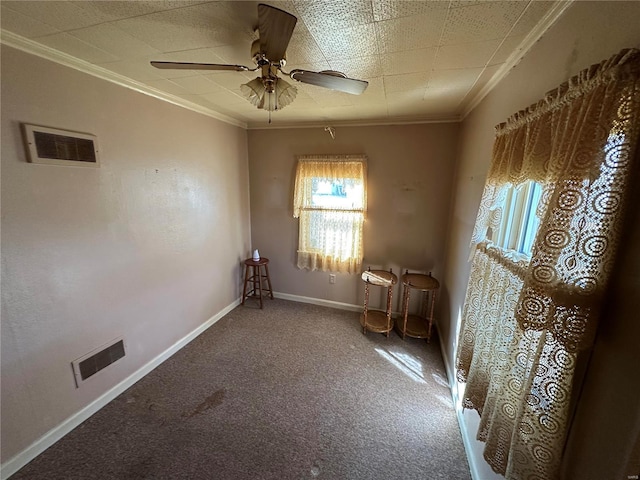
[{"x": 519, "y": 222}]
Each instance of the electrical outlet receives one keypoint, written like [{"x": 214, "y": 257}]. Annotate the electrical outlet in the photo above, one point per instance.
[{"x": 332, "y": 278}]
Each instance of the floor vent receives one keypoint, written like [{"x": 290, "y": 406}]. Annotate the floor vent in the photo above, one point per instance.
[
  {"x": 87, "y": 366},
  {"x": 60, "y": 147}
]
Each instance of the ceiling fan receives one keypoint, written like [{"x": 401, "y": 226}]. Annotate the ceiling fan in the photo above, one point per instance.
[{"x": 269, "y": 91}]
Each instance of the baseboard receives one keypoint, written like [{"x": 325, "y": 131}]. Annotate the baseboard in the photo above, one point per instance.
[
  {"x": 14, "y": 464},
  {"x": 467, "y": 441},
  {"x": 447, "y": 366},
  {"x": 464, "y": 431},
  {"x": 327, "y": 303},
  {"x": 318, "y": 301}
]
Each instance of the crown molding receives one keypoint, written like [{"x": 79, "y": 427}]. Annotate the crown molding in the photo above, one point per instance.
[
  {"x": 386, "y": 123},
  {"x": 534, "y": 35},
  {"x": 29, "y": 46}
]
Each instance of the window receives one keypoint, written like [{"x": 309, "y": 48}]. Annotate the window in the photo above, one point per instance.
[
  {"x": 330, "y": 201},
  {"x": 519, "y": 222}
]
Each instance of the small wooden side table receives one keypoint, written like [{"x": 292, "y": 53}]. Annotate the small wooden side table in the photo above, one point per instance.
[
  {"x": 418, "y": 326},
  {"x": 256, "y": 279},
  {"x": 376, "y": 320}
]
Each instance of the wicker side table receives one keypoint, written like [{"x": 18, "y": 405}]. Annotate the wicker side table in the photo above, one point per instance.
[
  {"x": 418, "y": 326},
  {"x": 376, "y": 320}
]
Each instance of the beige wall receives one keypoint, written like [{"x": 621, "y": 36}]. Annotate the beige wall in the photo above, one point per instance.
[
  {"x": 148, "y": 246},
  {"x": 410, "y": 169},
  {"x": 587, "y": 33}
]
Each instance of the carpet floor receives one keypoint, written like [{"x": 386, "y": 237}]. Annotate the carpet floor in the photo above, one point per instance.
[{"x": 294, "y": 391}]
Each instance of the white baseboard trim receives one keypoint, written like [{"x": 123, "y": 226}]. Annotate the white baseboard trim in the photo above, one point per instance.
[
  {"x": 14, "y": 464},
  {"x": 327, "y": 303},
  {"x": 464, "y": 431},
  {"x": 318, "y": 301},
  {"x": 467, "y": 441},
  {"x": 447, "y": 366}
]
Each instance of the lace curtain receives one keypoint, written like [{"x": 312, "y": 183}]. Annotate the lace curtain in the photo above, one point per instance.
[
  {"x": 525, "y": 320},
  {"x": 330, "y": 198}
]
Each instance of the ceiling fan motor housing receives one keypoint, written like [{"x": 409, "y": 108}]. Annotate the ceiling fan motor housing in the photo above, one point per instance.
[
  {"x": 269, "y": 72},
  {"x": 260, "y": 58}
]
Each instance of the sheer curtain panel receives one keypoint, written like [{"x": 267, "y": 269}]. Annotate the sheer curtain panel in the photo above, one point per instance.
[{"x": 526, "y": 319}]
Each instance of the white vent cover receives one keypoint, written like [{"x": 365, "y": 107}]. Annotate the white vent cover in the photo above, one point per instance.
[
  {"x": 93, "y": 362},
  {"x": 61, "y": 147}
]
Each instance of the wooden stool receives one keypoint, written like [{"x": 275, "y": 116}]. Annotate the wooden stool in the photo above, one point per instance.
[
  {"x": 256, "y": 279},
  {"x": 418, "y": 326},
  {"x": 375, "y": 320}
]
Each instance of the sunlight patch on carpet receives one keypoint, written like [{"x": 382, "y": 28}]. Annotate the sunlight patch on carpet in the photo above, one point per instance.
[{"x": 407, "y": 364}]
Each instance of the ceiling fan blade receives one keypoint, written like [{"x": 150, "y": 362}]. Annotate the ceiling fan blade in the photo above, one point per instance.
[
  {"x": 330, "y": 79},
  {"x": 275, "y": 27},
  {"x": 200, "y": 66}
]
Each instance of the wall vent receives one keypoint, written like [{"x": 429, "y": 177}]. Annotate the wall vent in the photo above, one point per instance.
[
  {"x": 90, "y": 364},
  {"x": 61, "y": 147}
]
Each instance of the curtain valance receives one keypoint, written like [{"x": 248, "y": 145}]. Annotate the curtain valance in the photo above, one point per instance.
[
  {"x": 565, "y": 133},
  {"x": 329, "y": 168}
]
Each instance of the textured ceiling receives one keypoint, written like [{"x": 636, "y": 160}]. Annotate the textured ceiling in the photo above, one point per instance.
[{"x": 424, "y": 60}]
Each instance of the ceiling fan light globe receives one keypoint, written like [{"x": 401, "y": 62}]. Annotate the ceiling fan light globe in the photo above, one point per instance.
[
  {"x": 271, "y": 95},
  {"x": 253, "y": 91},
  {"x": 285, "y": 92}
]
